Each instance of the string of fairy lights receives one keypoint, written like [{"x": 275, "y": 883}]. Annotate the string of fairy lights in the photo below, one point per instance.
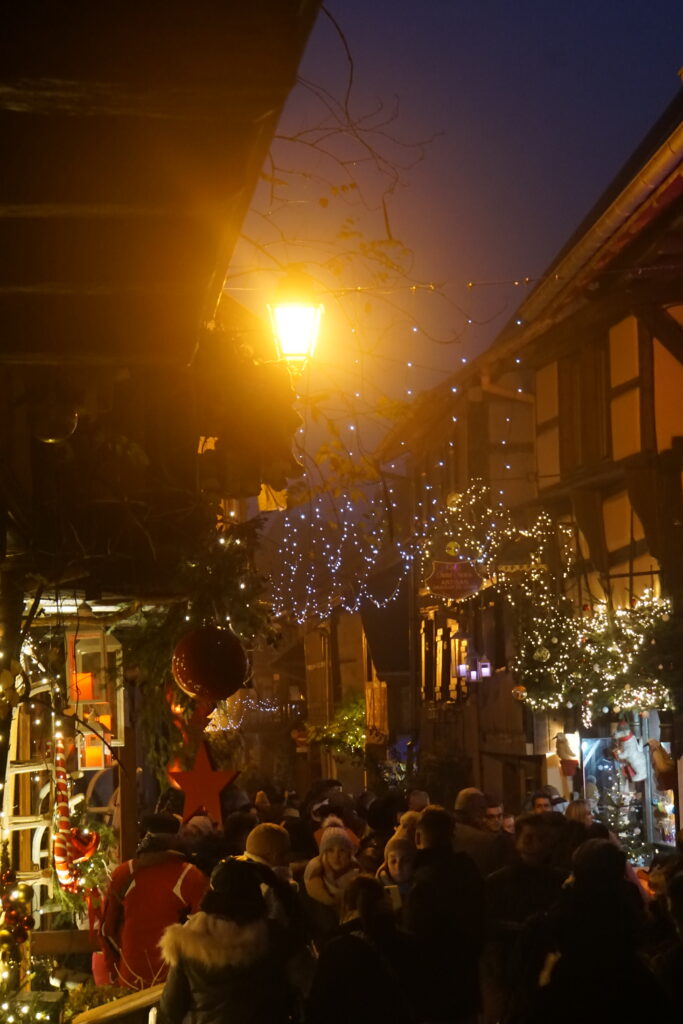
[
  {"x": 327, "y": 555},
  {"x": 329, "y": 551},
  {"x": 229, "y": 715},
  {"x": 520, "y": 281},
  {"x": 590, "y": 660}
]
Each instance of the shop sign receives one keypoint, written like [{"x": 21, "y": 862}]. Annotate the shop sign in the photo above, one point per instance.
[{"x": 453, "y": 579}]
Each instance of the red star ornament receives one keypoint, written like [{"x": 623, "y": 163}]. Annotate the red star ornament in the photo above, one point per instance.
[{"x": 202, "y": 786}]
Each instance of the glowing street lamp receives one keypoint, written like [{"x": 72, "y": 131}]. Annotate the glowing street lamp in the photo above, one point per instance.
[{"x": 295, "y": 317}]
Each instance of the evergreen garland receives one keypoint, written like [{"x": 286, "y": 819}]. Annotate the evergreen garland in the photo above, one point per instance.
[
  {"x": 599, "y": 661},
  {"x": 346, "y": 735}
]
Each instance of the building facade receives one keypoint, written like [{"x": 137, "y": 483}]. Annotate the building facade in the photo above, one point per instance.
[{"x": 575, "y": 410}]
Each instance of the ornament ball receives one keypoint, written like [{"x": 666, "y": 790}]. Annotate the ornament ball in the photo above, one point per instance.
[
  {"x": 25, "y": 892},
  {"x": 209, "y": 664}
]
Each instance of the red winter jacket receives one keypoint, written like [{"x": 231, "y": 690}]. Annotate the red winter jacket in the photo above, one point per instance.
[{"x": 145, "y": 896}]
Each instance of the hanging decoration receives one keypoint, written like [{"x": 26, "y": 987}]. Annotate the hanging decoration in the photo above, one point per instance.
[
  {"x": 330, "y": 549},
  {"x": 622, "y": 659},
  {"x": 471, "y": 532},
  {"x": 595, "y": 660},
  {"x": 210, "y": 664},
  {"x": 220, "y": 586},
  {"x": 70, "y": 845},
  {"x": 327, "y": 552},
  {"x": 452, "y": 580},
  {"x": 16, "y": 920},
  {"x": 230, "y": 714},
  {"x": 202, "y": 786}
]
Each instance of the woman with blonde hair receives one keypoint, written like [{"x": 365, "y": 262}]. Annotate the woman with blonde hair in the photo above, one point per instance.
[{"x": 580, "y": 811}]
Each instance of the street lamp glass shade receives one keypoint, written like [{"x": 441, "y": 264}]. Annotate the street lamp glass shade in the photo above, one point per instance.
[{"x": 295, "y": 328}]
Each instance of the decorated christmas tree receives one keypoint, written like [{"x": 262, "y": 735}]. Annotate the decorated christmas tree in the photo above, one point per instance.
[{"x": 621, "y": 811}]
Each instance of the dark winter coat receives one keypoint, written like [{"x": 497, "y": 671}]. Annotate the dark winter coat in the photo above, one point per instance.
[
  {"x": 445, "y": 912},
  {"x": 363, "y": 979},
  {"x": 225, "y": 973},
  {"x": 516, "y": 893},
  {"x": 283, "y": 902},
  {"x": 592, "y": 936}
]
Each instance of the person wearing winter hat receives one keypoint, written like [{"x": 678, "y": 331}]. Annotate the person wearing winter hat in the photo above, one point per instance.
[
  {"x": 198, "y": 826},
  {"x": 203, "y": 843},
  {"x": 334, "y": 821},
  {"x": 228, "y": 963},
  {"x": 328, "y": 874},
  {"x": 407, "y": 826},
  {"x": 270, "y": 844},
  {"x": 399, "y": 864}
]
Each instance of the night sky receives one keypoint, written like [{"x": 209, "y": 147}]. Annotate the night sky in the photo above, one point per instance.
[
  {"x": 533, "y": 108},
  {"x": 536, "y": 105}
]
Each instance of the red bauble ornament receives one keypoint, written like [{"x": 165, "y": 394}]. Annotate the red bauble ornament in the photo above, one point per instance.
[
  {"x": 209, "y": 663},
  {"x": 84, "y": 844}
]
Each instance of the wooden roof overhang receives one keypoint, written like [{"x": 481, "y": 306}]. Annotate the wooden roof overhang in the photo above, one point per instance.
[{"x": 132, "y": 138}]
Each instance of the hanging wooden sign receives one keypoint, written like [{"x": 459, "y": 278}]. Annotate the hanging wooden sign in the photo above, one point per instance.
[{"x": 453, "y": 579}]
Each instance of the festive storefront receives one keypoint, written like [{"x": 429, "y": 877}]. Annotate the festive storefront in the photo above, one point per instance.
[
  {"x": 604, "y": 676},
  {"x": 629, "y": 780}
]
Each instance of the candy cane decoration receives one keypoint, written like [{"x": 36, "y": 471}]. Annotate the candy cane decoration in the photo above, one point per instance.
[{"x": 62, "y": 845}]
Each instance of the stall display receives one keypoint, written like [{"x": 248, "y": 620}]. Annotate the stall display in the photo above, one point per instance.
[{"x": 628, "y": 781}]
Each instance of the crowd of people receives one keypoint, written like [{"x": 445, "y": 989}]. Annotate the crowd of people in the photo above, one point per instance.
[{"x": 335, "y": 910}]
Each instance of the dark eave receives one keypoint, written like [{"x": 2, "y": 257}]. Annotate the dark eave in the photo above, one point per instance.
[{"x": 132, "y": 138}]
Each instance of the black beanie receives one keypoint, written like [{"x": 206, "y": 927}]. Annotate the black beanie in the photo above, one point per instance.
[{"x": 235, "y": 892}]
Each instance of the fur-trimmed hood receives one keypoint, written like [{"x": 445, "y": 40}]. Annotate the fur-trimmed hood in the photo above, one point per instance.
[{"x": 215, "y": 942}]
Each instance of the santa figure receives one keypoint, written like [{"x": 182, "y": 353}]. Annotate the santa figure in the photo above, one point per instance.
[{"x": 630, "y": 753}]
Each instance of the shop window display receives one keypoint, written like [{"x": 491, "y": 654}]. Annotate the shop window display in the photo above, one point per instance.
[{"x": 629, "y": 779}]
